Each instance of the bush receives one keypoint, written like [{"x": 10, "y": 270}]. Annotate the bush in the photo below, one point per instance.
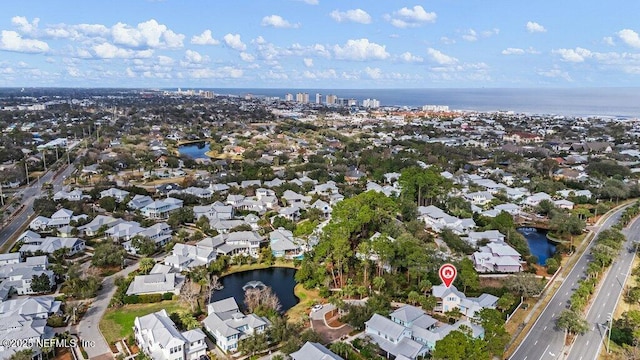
[
  {"x": 149, "y": 298},
  {"x": 131, "y": 299},
  {"x": 56, "y": 321},
  {"x": 167, "y": 296}
]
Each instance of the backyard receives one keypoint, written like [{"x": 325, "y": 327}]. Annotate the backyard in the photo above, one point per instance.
[{"x": 117, "y": 323}]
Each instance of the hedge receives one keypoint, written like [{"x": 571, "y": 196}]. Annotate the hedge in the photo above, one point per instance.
[{"x": 147, "y": 298}]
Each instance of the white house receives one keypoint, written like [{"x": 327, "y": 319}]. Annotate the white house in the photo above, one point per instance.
[
  {"x": 160, "y": 209},
  {"x": 158, "y": 337},
  {"x": 17, "y": 277},
  {"x": 436, "y": 219},
  {"x": 159, "y": 282},
  {"x": 184, "y": 257},
  {"x": 50, "y": 244},
  {"x": 535, "y": 199},
  {"x": 229, "y": 326},
  {"x": 314, "y": 351},
  {"x": 497, "y": 257},
  {"x": 449, "y": 298},
  {"x": 118, "y": 194}
]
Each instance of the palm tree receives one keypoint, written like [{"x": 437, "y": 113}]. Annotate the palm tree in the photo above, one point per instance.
[
  {"x": 146, "y": 264},
  {"x": 379, "y": 282},
  {"x": 341, "y": 349}
]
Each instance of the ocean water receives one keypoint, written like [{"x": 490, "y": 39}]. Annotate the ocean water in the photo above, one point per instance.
[{"x": 609, "y": 102}]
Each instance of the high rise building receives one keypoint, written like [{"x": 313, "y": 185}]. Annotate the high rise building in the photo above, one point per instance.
[
  {"x": 371, "y": 103},
  {"x": 352, "y": 102},
  {"x": 318, "y": 98},
  {"x": 302, "y": 98},
  {"x": 331, "y": 99},
  {"x": 288, "y": 97}
]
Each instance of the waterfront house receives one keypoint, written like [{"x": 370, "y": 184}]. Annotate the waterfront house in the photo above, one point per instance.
[
  {"x": 229, "y": 326},
  {"x": 158, "y": 337}
]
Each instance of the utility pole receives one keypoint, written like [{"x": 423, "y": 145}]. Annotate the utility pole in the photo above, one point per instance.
[
  {"x": 26, "y": 169},
  {"x": 44, "y": 159},
  {"x": 610, "y": 320}
]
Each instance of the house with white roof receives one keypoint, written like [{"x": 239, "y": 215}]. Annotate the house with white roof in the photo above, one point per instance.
[
  {"x": 497, "y": 257},
  {"x": 512, "y": 209},
  {"x": 100, "y": 221},
  {"x": 17, "y": 276},
  {"x": 314, "y": 351},
  {"x": 160, "y": 209},
  {"x": 118, "y": 194},
  {"x": 438, "y": 220},
  {"x": 450, "y": 298},
  {"x": 294, "y": 199},
  {"x": 283, "y": 244},
  {"x": 66, "y": 194},
  {"x": 50, "y": 244},
  {"x": 577, "y": 193},
  {"x": 159, "y": 233},
  {"x": 474, "y": 237},
  {"x": 217, "y": 210},
  {"x": 158, "y": 337},
  {"x": 535, "y": 199},
  {"x": 160, "y": 282},
  {"x": 139, "y": 201},
  {"x": 387, "y": 190},
  {"x": 229, "y": 326},
  {"x": 324, "y": 207},
  {"x": 479, "y": 198},
  {"x": 26, "y": 318},
  {"x": 564, "y": 204},
  {"x": 274, "y": 183},
  {"x": 184, "y": 257},
  {"x": 393, "y": 338}
]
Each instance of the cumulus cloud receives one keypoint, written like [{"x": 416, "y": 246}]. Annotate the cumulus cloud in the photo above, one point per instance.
[
  {"x": 576, "y": 55},
  {"x": 512, "y": 51},
  {"x": 441, "y": 58},
  {"x": 195, "y": 57},
  {"x": 24, "y": 26},
  {"x": 470, "y": 35},
  {"x": 310, "y": 2},
  {"x": 247, "y": 57},
  {"x": 222, "y": 72},
  {"x": 233, "y": 41},
  {"x": 360, "y": 49},
  {"x": 534, "y": 27},
  {"x": 630, "y": 37},
  {"x": 410, "y": 58},
  {"x": 110, "y": 51},
  {"x": 165, "y": 60},
  {"x": 608, "y": 40},
  {"x": 322, "y": 74},
  {"x": 410, "y": 17},
  {"x": 149, "y": 34},
  {"x": 308, "y": 62},
  {"x": 374, "y": 73},
  {"x": 277, "y": 21},
  {"x": 12, "y": 41},
  {"x": 356, "y": 15},
  {"x": 555, "y": 73},
  {"x": 204, "y": 39}
]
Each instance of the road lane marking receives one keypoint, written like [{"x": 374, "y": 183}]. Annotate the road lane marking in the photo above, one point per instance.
[
  {"x": 535, "y": 343},
  {"x": 544, "y": 352},
  {"x": 587, "y": 343},
  {"x": 545, "y": 328}
]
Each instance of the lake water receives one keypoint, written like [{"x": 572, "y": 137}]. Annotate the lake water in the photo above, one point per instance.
[
  {"x": 281, "y": 281},
  {"x": 538, "y": 243},
  {"x": 195, "y": 150}
]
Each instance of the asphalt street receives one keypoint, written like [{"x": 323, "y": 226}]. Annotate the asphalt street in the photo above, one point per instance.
[
  {"x": 544, "y": 341},
  {"x": 29, "y": 194},
  {"x": 587, "y": 346}
]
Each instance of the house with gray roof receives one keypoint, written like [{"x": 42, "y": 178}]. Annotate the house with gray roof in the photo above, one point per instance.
[
  {"x": 50, "y": 244},
  {"x": 217, "y": 210},
  {"x": 283, "y": 244},
  {"x": 158, "y": 337},
  {"x": 16, "y": 277},
  {"x": 118, "y": 194},
  {"x": 314, "y": 351},
  {"x": 437, "y": 220},
  {"x": 156, "y": 283},
  {"x": 185, "y": 257},
  {"x": 229, "y": 326},
  {"x": 139, "y": 201},
  {"x": 92, "y": 228},
  {"x": 160, "y": 209},
  {"x": 450, "y": 298},
  {"x": 497, "y": 256}
]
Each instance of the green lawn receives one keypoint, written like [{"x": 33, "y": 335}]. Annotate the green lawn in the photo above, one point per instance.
[
  {"x": 308, "y": 298},
  {"x": 118, "y": 323}
]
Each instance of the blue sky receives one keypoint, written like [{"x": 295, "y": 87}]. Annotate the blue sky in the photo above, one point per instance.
[{"x": 320, "y": 43}]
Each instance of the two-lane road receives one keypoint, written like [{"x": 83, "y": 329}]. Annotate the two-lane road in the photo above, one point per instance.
[
  {"x": 544, "y": 341},
  {"x": 29, "y": 194},
  {"x": 587, "y": 346}
]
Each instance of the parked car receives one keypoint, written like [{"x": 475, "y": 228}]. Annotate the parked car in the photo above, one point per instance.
[{"x": 316, "y": 307}]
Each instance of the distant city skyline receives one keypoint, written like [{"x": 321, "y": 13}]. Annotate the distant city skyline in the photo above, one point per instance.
[{"x": 320, "y": 44}]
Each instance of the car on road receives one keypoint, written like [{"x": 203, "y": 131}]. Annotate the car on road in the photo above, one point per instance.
[{"x": 316, "y": 307}]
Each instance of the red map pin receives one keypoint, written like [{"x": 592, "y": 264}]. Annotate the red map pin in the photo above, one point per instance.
[{"x": 447, "y": 274}]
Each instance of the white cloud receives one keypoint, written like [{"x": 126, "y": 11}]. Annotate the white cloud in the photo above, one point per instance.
[
  {"x": 223, "y": 72},
  {"x": 195, "y": 57},
  {"x": 234, "y": 42},
  {"x": 411, "y": 17},
  {"x": 165, "y": 60},
  {"x": 489, "y": 33},
  {"x": 555, "y": 73},
  {"x": 374, "y": 73},
  {"x": 470, "y": 35},
  {"x": 512, "y": 51},
  {"x": 323, "y": 74},
  {"x": 247, "y": 57},
  {"x": 608, "y": 40},
  {"x": 204, "y": 39},
  {"x": 441, "y": 58},
  {"x": 308, "y": 62},
  {"x": 360, "y": 49},
  {"x": 630, "y": 37},
  {"x": 570, "y": 55},
  {"x": 24, "y": 26},
  {"x": 110, "y": 51},
  {"x": 74, "y": 72},
  {"x": 149, "y": 34},
  {"x": 12, "y": 41},
  {"x": 534, "y": 27},
  {"x": 356, "y": 15},
  {"x": 410, "y": 58},
  {"x": 310, "y": 2},
  {"x": 447, "y": 41},
  {"x": 277, "y": 21}
]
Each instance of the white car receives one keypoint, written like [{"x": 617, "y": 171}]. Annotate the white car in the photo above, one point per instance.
[{"x": 317, "y": 307}]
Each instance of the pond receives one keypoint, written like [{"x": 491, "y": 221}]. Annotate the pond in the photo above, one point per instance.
[
  {"x": 281, "y": 280},
  {"x": 195, "y": 150},
  {"x": 539, "y": 245}
]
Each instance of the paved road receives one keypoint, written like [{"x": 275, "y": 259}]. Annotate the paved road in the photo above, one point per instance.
[
  {"x": 544, "y": 341},
  {"x": 29, "y": 194},
  {"x": 587, "y": 346},
  {"x": 88, "y": 326}
]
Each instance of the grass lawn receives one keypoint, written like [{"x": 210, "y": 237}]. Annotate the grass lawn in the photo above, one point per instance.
[
  {"x": 308, "y": 298},
  {"x": 118, "y": 323},
  {"x": 240, "y": 268}
]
